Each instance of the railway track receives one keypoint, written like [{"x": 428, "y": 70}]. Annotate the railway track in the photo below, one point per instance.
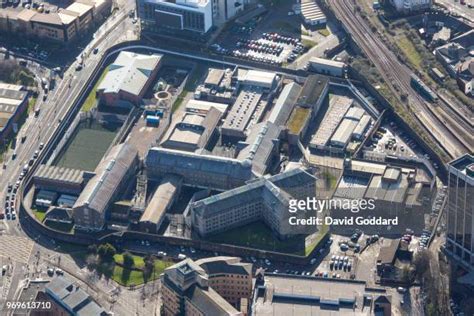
[{"x": 446, "y": 126}]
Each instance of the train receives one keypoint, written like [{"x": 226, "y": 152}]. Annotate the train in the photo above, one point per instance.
[{"x": 423, "y": 89}]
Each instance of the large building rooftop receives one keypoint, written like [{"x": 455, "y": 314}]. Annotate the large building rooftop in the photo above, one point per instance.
[
  {"x": 162, "y": 198},
  {"x": 11, "y": 97},
  {"x": 287, "y": 295},
  {"x": 242, "y": 110},
  {"x": 108, "y": 176},
  {"x": 313, "y": 88},
  {"x": 285, "y": 104},
  {"x": 129, "y": 73}
]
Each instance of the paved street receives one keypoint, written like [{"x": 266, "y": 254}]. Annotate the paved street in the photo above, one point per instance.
[
  {"x": 456, "y": 7},
  {"x": 17, "y": 249}
]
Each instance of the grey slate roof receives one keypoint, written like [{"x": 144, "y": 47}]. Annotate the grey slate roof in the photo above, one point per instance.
[
  {"x": 272, "y": 188},
  {"x": 60, "y": 174},
  {"x": 129, "y": 72},
  {"x": 312, "y": 89},
  {"x": 285, "y": 103},
  {"x": 180, "y": 160},
  {"x": 261, "y": 144},
  {"x": 108, "y": 176},
  {"x": 161, "y": 199}
]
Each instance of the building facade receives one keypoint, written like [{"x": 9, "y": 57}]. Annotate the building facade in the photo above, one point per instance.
[
  {"x": 64, "y": 25},
  {"x": 460, "y": 210},
  {"x": 112, "y": 176},
  {"x": 13, "y": 103},
  {"x": 265, "y": 199},
  {"x": 189, "y": 15},
  {"x": 186, "y": 291}
]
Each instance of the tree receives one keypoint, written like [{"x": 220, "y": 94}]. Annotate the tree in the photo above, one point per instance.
[
  {"x": 106, "y": 252},
  {"x": 92, "y": 248},
  {"x": 422, "y": 263},
  {"x": 92, "y": 261},
  {"x": 128, "y": 261},
  {"x": 149, "y": 267}
]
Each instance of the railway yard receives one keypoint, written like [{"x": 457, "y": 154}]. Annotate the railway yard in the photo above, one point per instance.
[{"x": 448, "y": 124}]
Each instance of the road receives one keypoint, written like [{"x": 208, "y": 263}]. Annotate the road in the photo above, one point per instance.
[
  {"x": 455, "y": 6},
  {"x": 39, "y": 130},
  {"x": 443, "y": 128}
]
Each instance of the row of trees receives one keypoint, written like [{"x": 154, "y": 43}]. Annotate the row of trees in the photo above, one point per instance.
[{"x": 101, "y": 258}]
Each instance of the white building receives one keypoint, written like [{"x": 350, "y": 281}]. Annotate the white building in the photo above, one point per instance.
[
  {"x": 311, "y": 13},
  {"x": 190, "y": 15},
  {"x": 327, "y": 66},
  {"x": 223, "y": 10},
  {"x": 406, "y": 6}
]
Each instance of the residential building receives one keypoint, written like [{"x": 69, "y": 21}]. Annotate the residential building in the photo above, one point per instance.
[
  {"x": 186, "y": 291},
  {"x": 112, "y": 176},
  {"x": 128, "y": 79},
  {"x": 63, "y": 25},
  {"x": 465, "y": 76},
  {"x": 187, "y": 15},
  {"x": 265, "y": 199},
  {"x": 13, "y": 103},
  {"x": 229, "y": 277},
  {"x": 460, "y": 211}
]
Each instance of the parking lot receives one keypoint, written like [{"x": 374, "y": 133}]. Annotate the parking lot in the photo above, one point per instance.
[
  {"x": 275, "y": 37},
  {"x": 385, "y": 140},
  {"x": 272, "y": 48}
]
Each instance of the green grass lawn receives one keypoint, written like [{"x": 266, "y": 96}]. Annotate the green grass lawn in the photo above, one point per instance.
[
  {"x": 138, "y": 262},
  {"x": 127, "y": 277},
  {"x": 258, "y": 235},
  {"x": 39, "y": 214},
  {"x": 135, "y": 276},
  {"x": 297, "y": 119},
  {"x": 331, "y": 179},
  {"x": 92, "y": 98},
  {"x": 324, "y": 32},
  {"x": 409, "y": 50},
  {"x": 31, "y": 104},
  {"x": 308, "y": 43}
]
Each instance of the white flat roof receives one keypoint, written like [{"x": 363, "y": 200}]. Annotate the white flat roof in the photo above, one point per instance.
[{"x": 327, "y": 62}]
